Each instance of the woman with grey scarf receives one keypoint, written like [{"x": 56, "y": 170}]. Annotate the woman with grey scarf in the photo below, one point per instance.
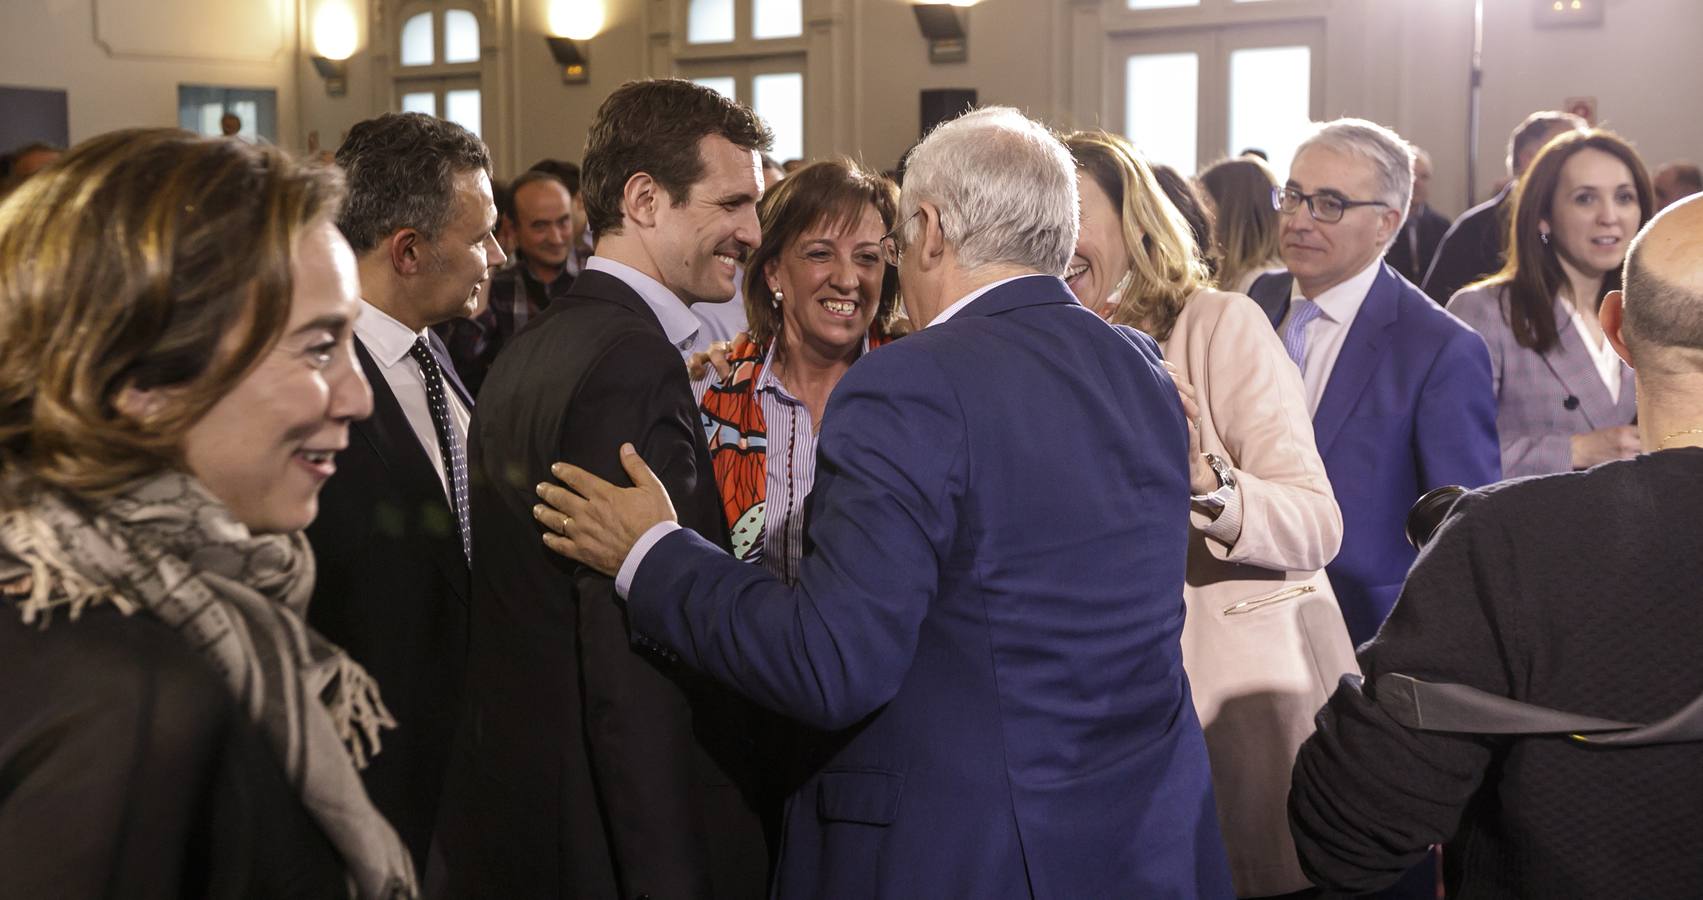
[{"x": 177, "y": 377}]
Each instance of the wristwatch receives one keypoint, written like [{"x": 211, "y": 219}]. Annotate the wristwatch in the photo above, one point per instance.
[{"x": 1218, "y": 499}]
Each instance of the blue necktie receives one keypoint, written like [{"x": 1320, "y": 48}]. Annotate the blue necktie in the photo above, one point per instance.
[
  {"x": 1295, "y": 333},
  {"x": 449, "y": 444}
]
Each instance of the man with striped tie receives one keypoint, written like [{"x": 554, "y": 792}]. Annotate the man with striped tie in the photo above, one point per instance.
[
  {"x": 393, "y": 540},
  {"x": 1400, "y": 390}
]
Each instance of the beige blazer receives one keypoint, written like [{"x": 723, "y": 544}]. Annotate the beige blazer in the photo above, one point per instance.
[{"x": 1263, "y": 642}]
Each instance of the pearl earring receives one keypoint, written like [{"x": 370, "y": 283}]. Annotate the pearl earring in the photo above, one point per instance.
[
  {"x": 776, "y": 302},
  {"x": 1543, "y": 236}
]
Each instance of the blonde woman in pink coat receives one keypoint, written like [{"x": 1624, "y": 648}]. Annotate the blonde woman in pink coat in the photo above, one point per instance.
[{"x": 1263, "y": 642}]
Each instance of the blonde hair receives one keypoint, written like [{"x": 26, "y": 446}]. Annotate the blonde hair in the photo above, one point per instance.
[
  {"x": 1165, "y": 268},
  {"x": 131, "y": 264}
]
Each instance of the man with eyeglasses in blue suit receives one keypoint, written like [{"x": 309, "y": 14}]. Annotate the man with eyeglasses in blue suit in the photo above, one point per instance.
[{"x": 1400, "y": 390}]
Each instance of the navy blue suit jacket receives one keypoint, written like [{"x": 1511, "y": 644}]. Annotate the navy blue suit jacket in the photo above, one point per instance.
[
  {"x": 1409, "y": 407},
  {"x": 988, "y": 619}
]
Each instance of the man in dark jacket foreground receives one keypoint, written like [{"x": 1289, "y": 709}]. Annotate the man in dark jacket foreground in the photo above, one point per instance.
[{"x": 1575, "y": 592}]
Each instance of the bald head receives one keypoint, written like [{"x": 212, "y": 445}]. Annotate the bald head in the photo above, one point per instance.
[{"x": 1663, "y": 296}]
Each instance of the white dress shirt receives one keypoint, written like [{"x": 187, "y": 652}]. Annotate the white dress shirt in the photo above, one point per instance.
[
  {"x": 389, "y": 342},
  {"x": 1602, "y": 354},
  {"x": 972, "y": 297},
  {"x": 725, "y": 320},
  {"x": 681, "y": 327},
  {"x": 1338, "y": 307}
]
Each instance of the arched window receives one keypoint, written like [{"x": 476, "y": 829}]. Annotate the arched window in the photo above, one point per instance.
[{"x": 438, "y": 71}]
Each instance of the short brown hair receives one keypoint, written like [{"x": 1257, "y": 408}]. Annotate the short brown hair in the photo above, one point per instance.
[
  {"x": 654, "y": 127},
  {"x": 1245, "y": 232},
  {"x": 128, "y": 265},
  {"x": 829, "y": 193},
  {"x": 1533, "y": 132},
  {"x": 401, "y": 169}
]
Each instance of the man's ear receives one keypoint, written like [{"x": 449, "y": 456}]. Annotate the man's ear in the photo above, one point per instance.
[
  {"x": 1391, "y": 219},
  {"x": 407, "y": 251},
  {"x": 640, "y": 199},
  {"x": 930, "y": 243},
  {"x": 1612, "y": 315}
]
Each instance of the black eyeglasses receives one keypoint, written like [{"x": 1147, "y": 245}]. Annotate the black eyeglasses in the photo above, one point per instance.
[
  {"x": 890, "y": 248},
  {"x": 1322, "y": 207}
]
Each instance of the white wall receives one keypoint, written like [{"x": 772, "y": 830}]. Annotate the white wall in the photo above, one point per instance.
[
  {"x": 1642, "y": 65},
  {"x": 121, "y": 61},
  {"x": 1401, "y": 62}
]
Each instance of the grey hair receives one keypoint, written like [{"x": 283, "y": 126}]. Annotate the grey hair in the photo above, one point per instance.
[
  {"x": 401, "y": 169},
  {"x": 1005, "y": 187},
  {"x": 1390, "y": 156}
]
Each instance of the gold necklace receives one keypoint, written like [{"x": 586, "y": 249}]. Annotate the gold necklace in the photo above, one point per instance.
[{"x": 1664, "y": 444}]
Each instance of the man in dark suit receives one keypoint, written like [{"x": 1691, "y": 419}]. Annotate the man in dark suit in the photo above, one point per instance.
[
  {"x": 1572, "y": 592},
  {"x": 1473, "y": 246},
  {"x": 588, "y": 766},
  {"x": 1400, "y": 390},
  {"x": 1411, "y": 251},
  {"x": 392, "y": 586},
  {"x": 996, "y": 653}
]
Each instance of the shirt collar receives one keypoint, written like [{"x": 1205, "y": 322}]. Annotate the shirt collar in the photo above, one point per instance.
[
  {"x": 1341, "y": 303},
  {"x": 677, "y": 320},
  {"x": 971, "y": 297},
  {"x": 769, "y": 381},
  {"x": 387, "y": 339}
]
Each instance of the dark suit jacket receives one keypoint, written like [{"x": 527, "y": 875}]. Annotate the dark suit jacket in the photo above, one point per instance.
[
  {"x": 1576, "y": 592},
  {"x": 1429, "y": 225},
  {"x": 1000, "y": 649},
  {"x": 127, "y": 770},
  {"x": 1472, "y": 247},
  {"x": 586, "y": 766},
  {"x": 392, "y": 589},
  {"x": 1409, "y": 407}
]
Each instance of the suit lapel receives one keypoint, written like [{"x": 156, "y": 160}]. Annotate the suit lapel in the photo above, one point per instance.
[
  {"x": 1362, "y": 350},
  {"x": 392, "y": 440},
  {"x": 441, "y": 354},
  {"x": 1576, "y": 369},
  {"x": 1271, "y": 292}
]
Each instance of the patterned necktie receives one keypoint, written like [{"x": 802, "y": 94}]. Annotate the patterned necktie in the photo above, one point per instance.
[
  {"x": 449, "y": 445},
  {"x": 1295, "y": 333}
]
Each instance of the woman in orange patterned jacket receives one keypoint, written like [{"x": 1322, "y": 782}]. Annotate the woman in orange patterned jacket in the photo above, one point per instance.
[{"x": 817, "y": 297}]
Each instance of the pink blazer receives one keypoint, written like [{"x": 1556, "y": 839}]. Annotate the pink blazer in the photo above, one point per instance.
[{"x": 1263, "y": 642}]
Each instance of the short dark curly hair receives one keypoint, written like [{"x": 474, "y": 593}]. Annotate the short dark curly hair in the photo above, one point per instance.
[
  {"x": 401, "y": 170},
  {"x": 654, "y": 127}
]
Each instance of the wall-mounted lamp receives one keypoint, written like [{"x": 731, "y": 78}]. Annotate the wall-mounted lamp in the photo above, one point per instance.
[
  {"x": 570, "y": 55},
  {"x": 336, "y": 75},
  {"x": 944, "y": 27},
  {"x": 1566, "y": 13},
  {"x": 573, "y": 23},
  {"x": 334, "y": 38}
]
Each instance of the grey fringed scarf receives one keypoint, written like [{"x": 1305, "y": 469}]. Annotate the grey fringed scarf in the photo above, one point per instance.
[{"x": 170, "y": 548}]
